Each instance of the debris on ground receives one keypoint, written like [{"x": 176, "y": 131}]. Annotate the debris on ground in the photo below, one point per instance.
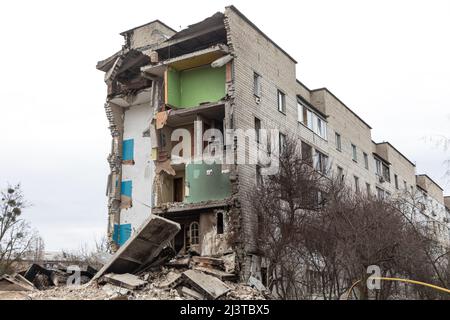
[{"x": 144, "y": 268}]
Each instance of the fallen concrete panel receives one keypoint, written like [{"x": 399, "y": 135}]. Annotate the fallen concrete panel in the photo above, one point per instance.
[
  {"x": 15, "y": 283},
  {"x": 126, "y": 280},
  {"x": 222, "y": 275},
  {"x": 171, "y": 281},
  {"x": 208, "y": 262},
  {"x": 142, "y": 248},
  {"x": 210, "y": 286},
  {"x": 189, "y": 293}
]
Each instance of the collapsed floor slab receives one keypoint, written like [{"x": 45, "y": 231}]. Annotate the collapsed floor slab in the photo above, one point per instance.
[{"x": 142, "y": 248}]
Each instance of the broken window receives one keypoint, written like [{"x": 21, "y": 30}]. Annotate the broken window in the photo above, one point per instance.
[
  {"x": 321, "y": 162},
  {"x": 194, "y": 233},
  {"x": 219, "y": 222},
  {"x": 178, "y": 187},
  {"x": 257, "y": 85},
  {"x": 281, "y": 101},
  {"x": 307, "y": 153}
]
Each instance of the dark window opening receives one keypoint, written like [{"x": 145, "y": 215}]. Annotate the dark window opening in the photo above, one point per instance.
[
  {"x": 178, "y": 190},
  {"x": 219, "y": 222}
]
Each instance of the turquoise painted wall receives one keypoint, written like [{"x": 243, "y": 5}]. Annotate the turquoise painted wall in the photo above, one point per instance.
[
  {"x": 189, "y": 88},
  {"x": 204, "y": 187}
]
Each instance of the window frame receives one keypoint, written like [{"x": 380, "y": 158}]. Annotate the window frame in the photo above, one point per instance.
[
  {"x": 282, "y": 95},
  {"x": 338, "y": 141},
  {"x": 354, "y": 152},
  {"x": 257, "y": 84},
  {"x": 366, "y": 160}
]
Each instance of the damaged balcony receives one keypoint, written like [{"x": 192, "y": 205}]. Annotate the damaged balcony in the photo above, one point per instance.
[
  {"x": 185, "y": 180},
  {"x": 194, "y": 79}
]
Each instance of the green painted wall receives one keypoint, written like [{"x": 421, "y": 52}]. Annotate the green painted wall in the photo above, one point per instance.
[
  {"x": 173, "y": 89},
  {"x": 189, "y": 88},
  {"x": 204, "y": 187}
]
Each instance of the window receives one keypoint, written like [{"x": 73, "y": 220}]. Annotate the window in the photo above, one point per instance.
[
  {"x": 366, "y": 161},
  {"x": 309, "y": 119},
  {"x": 307, "y": 153},
  {"x": 378, "y": 170},
  {"x": 356, "y": 183},
  {"x": 259, "y": 178},
  {"x": 281, "y": 101},
  {"x": 354, "y": 153},
  {"x": 321, "y": 162},
  {"x": 396, "y": 181},
  {"x": 282, "y": 142},
  {"x": 219, "y": 216},
  {"x": 257, "y": 129},
  {"x": 340, "y": 174},
  {"x": 301, "y": 112},
  {"x": 338, "y": 141},
  {"x": 193, "y": 233},
  {"x": 386, "y": 173},
  {"x": 405, "y": 185},
  {"x": 368, "y": 189},
  {"x": 257, "y": 85},
  {"x": 314, "y": 123},
  {"x": 380, "y": 193},
  {"x": 321, "y": 129}
]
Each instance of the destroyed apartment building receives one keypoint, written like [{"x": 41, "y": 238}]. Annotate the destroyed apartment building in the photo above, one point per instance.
[{"x": 222, "y": 73}]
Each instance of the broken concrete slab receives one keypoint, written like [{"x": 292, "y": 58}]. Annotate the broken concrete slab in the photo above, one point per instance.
[
  {"x": 15, "y": 283},
  {"x": 189, "y": 293},
  {"x": 222, "y": 275},
  {"x": 126, "y": 280},
  {"x": 256, "y": 283},
  {"x": 171, "y": 281},
  {"x": 210, "y": 286},
  {"x": 182, "y": 262},
  {"x": 142, "y": 248},
  {"x": 113, "y": 290},
  {"x": 208, "y": 262},
  {"x": 34, "y": 270}
]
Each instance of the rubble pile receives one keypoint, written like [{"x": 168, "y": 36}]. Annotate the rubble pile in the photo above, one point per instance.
[
  {"x": 143, "y": 268},
  {"x": 184, "y": 278}
]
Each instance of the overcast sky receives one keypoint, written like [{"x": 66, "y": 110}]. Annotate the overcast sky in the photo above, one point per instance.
[{"x": 389, "y": 61}]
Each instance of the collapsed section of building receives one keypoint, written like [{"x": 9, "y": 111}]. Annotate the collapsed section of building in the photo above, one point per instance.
[
  {"x": 159, "y": 82},
  {"x": 222, "y": 73}
]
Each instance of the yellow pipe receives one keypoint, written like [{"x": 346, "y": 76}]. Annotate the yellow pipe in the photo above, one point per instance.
[{"x": 402, "y": 280}]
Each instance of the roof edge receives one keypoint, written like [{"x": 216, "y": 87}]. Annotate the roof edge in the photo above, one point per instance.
[
  {"x": 353, "y": 112},
  {"x": 231, "y": 7},
  {"x": 145, "y": 24},
  {"x": 426, "y": 175}
]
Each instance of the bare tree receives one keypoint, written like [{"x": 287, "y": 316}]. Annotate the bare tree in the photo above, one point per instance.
[
  {"x": 319, "y": 236},
  {"x": 16, "y": 237}
]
